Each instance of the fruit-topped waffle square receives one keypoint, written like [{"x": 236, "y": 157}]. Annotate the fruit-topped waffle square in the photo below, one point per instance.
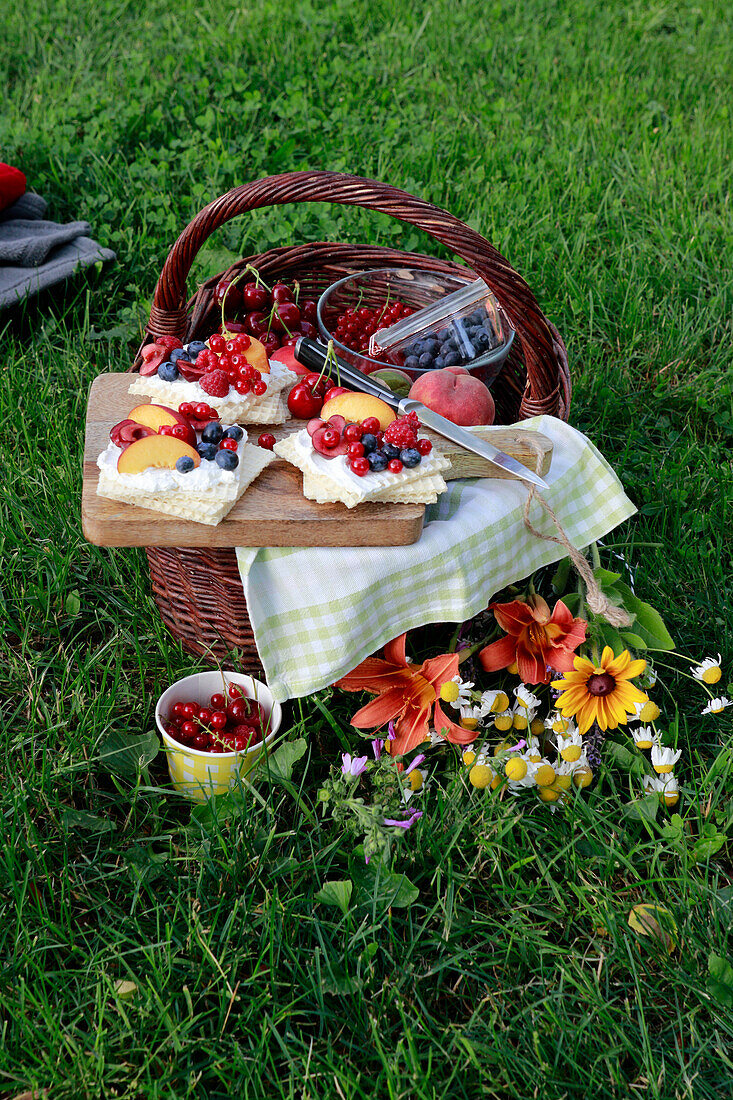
[
  {"x": 357, "y": 450},
  {"x": 185, "y": 463},
  {"x": 231, "y": 372}
]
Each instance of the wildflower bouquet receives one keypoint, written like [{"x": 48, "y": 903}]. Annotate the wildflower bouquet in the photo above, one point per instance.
[{"x": 529, "y": 702}]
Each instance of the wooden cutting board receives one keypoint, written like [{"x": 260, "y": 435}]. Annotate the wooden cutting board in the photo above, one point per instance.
[{"x": 273, "y": 510}]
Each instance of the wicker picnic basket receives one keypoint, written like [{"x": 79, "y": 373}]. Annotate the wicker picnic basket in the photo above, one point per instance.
[{"x": 199, "y": 592}]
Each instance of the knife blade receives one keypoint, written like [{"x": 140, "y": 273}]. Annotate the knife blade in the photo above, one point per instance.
[{"x": 314, "y": 356}]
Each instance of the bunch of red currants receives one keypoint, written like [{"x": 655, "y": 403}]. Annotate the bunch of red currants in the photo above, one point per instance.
[
  {"x": 355, "y": 326},
  {"x": 230, "y": 723}
]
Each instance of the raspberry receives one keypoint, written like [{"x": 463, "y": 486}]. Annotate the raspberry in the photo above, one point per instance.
[
  {"x": 402, "y": 432},
  {"x": 169, "y": 342},
  {"x": 215, "y": 383}
]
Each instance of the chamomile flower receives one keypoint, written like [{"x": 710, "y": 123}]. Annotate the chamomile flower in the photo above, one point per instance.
[
  {"x": 526, "y": 698},
  {"x": 470, "y": 716},
  {"x": 564, "y": 771},
  {"x": 715, "y": 706},
  {"x": 457, "y": 692},
  {"x": 671, "y": 791},
  {"x": 434, "y": 738},
  {"x": 533, "y": 752},
  {"x": 653, "y": 784},
  {"x": 522, "y": 715},
  {"x": 709, "y": 672},
  {"x": 664, "y": 759},
  {"x": 503, "y": 721},
  {"x": 644, "y": 737},
  {"x": 570, "y": 747},
  {"x": 558, "y": 724},
  {"x": 494, "y": 702}
]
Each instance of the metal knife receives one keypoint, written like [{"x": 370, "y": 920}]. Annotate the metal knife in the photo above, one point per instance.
[{"x": 314, "y": 356}]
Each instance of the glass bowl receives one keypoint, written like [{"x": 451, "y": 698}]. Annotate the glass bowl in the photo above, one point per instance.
[{"x": 415, "y": 287}]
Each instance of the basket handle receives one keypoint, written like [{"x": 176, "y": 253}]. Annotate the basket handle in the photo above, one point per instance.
[{"x": 541, "y": 350}]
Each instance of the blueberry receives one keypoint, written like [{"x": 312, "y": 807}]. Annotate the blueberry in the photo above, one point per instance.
[
  {"x": 195, "y": 348},
  {"x": 443, "y": 335},
  {"x": 412, "y": 363},
  {"x": 390, "y": 451},
  {"x": 446, "y": 348},
  {"x": 377, "y": 461},
  {"x": 208, "y": 451},
  {"x": 426, "y": 360},
  {"x": 212, "y": 433},
  {"x": 439, "y": 363},
  {"x": 452, "y": 344},
  {"x": 168, "y": 372},
  {"x": 227, "y": 460},
  {"x": 179, "y": 353},
  {"x": 475, "y": 318},
  {"x": 184, "y": 464},
  {"x": 432, "y": 346},
  {"x": 452, "y": 359},
  {"x": 481, "y": 340},
  {"x": 369, "y": 443},
  {"x": 235, "y": 432},
  {"x": 410, "y": 457}
]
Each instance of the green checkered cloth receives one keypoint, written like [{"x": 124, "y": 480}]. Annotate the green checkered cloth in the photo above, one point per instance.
[{"x": 317, "y": 612}]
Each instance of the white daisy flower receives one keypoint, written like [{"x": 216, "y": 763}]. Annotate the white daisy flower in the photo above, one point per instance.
[
  {"x": 570, "y": 747},
  {"x": 533, "y": 752},
  {"x": 644, "y": 737},
  {"x": 435, "y": 738},
  {"x": 558, "y": 724},
  {"x": 664, "y": 759},
  {"x": 472, "y": 714},
  {"x": 653, "y": 784},
  {"x": 496, "y": 701},
  {"x": 670, "y": 789},
  {"x": 522, "y": 716},
  {"x": 715, "y": 706},
  {"x": 458, "y": 695},
  {"x": 709, "y": 672},
  {"x": 526, "y": 698}
]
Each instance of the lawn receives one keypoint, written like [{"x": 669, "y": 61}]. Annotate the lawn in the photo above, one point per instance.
[{"x": 591, "y": 144}]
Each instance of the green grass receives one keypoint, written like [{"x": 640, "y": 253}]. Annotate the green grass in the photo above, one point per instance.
[{"x": 590, "y": 144}]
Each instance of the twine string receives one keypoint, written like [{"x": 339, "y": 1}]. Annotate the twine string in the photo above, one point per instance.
[{"x": 597, "y": 601}]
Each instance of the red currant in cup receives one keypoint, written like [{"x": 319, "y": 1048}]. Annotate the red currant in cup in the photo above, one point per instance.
[
  {"x": 217, "y": 701},
  {"x": 266, "y": 441}
]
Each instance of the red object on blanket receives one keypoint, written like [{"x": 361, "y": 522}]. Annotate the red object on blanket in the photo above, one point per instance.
[{"x": 12, "y": 185}]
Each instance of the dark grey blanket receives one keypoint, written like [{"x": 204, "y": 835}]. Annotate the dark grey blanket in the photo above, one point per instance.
[{"x": 35, "y": 254}]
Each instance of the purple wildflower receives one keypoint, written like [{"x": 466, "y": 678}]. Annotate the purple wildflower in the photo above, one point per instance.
[
  {"x": 353, "y": 765},
  {"x": 519, "y": 745},
  {"x": 377, "y": 745},
  {"x": 418, "y": 760},
  {"x": 391, "y": 731},
  {"x": 414, "y": 815}
]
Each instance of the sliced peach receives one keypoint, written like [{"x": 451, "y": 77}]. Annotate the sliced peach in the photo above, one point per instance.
[
  {"x": 158, "y": 416},
  {"x": 256, "y": 356},
  {"x": 158, "y": 451},
  {"x": 358, "y": 407}
]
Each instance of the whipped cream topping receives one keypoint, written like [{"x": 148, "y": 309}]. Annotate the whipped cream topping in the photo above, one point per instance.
[
  {"x": 373, "y": 484},
  {"x": 207, "y": 476}
]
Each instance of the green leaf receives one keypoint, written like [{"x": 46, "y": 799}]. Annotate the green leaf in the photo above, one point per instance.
[
  {"x": 336, "y": 892},
  {"x": 340, "y": 984},
  {"x": 648, "y": 919},
  {"x": 642, "y": 809},
  {"x": 606, "y": 578},
  {"x": 720, "y": 981},
  {"x": 375, "y": 884},
  {"x": 128, "y": 754},
  {"x": 626, "y": 759},
  {"x": 91, "y": 823},
  {"x": 73, "y": 604},
  {"x": 572, "y": 602},
  {"x": 633, "y": 641},
  {"x": 707, "y": 846},
  {"x": 284, "y": 759}
]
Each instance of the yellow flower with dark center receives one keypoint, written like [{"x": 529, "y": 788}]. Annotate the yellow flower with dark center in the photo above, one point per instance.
[{"x": 600, "y": 693}]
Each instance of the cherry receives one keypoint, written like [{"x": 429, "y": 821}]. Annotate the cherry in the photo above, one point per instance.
[
  {"x": 259, "y": 387},
  {"x": 360, "y": 466},
  {"x": 371, "y": 425},
  {"x": 217, "y": 344},
  {"x": 257, "y": 323},
  {"x": 303, "y": 403},
  {"x": 189, "y": 711},
  {"x": 201, "y": 741},
  {"x": 254, "y": 296},
  {"x": 218, "y": 718},
  {"x": 424, "y": 446},
  {"x": 267, "y": 441},
  {"x": 270, "y": 343},
  {"x": 309, "y": 310},
  {"x": 177, "y": 711},
  {"x": 286, "y": 315},
  {"x": 237, "y": 710},
  {"x": 235, "y": 691},
  {"x": 394, "y": 465},
  {"x": 217, "y": 701},
  {"x": 189, "y": 729},
  {"x": 233, "y": 294},
  {"x": 281, "y": 293}
]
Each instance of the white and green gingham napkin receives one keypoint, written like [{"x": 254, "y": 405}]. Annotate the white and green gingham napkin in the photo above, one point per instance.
[{"x": 318, "y": 611}]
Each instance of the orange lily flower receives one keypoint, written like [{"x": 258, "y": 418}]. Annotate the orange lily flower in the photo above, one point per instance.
[
  {"x": 407, "y": 693},
  {"x": 534, "y": 639}
]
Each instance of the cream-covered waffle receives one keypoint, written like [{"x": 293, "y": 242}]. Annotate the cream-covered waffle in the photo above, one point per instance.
[
  {"x": 182, "y": 475},
  {"x": 330, "y": 479}
]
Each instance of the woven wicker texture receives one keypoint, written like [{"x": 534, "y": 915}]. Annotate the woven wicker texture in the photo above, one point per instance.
[{"x": 199, "y": 592}]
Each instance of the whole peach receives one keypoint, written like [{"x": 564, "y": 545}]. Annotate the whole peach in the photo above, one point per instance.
[{"x": 457, "y": 396}]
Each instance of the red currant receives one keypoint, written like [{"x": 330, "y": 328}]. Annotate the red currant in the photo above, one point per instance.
[
  {"x": 353, "y": 433},
  {"x": 242, "y": 341},
  {"x": 202, "y": 411},
  {"x": 217, "y": 343},
  {"x": 180, "y": 431},
  {"x": 394, "y": 466},
  {"x": 185, "y": 409},
  {"x": 360, "y": 466},
  {"x": 259, "y": 387},
  {"x": 167, "y": 429},
  {"x": 267, "y": 441},
  {"x": 331, "y": 438},
  {"x": 225, "y": 363},
  {"x": 243, "y": 386},
  {"x": 371, "y": 425},
  {"x": 356, "y": 450},
  {"x": 424, "y": 446},
  {"x": 217, "y": 701},
  {"x": 228, "y": 445}
]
